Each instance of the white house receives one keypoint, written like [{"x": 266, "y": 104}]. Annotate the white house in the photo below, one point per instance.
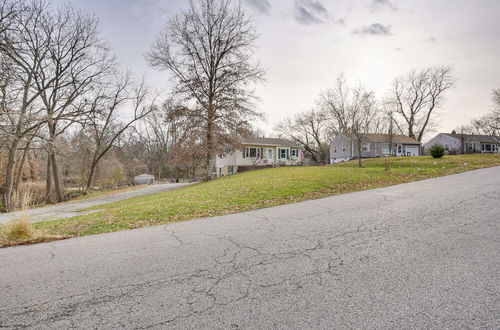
[
  {"x": 471, "y": 143},
  {"x": 259, "y": 152},
  {"x": 345, "y": 147}
]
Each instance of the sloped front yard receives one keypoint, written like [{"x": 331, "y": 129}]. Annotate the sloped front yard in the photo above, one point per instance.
[{"x": 259, "y": 189}]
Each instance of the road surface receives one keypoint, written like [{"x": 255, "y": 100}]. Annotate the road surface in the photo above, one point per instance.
[
  {"x": 72, "y": 209},
  {"x": 419, "y": 255}
]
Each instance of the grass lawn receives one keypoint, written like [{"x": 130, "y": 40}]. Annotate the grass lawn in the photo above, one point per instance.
[{"x": 259, "y": 189}]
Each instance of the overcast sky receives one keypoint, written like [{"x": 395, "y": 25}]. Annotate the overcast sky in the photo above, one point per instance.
[{"x": 305, "y": 44}]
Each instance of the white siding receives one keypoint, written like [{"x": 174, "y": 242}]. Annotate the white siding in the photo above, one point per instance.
[{"x": 237, "y": 158}]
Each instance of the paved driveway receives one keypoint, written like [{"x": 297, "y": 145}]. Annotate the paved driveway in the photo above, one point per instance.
[
  {"x": 71, "y": 209},
  {"x": 420, "y": 255}
]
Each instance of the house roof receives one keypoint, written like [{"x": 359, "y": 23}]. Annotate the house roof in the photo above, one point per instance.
[
  {"x": 386, "y": 138},
  {"x": 475, "y": 138},
  {"x": 144, "y": 175},
  {"x": 269, "y": 142}
]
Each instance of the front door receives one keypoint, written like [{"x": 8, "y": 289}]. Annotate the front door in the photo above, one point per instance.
[{"x": 269, "y": 156}]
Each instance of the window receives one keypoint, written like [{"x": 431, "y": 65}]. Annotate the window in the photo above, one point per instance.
[
  {"x": 399, "y": 149},
  {"x": 295, "y": 153},
  {"x": 334, "y": 151},
  {"x": 282, "y": 153},
  {"x": 230, "y": 169},
  {"x": 447, "y": 147},
  {"x": 343, "y": 147},
  {"x": 386, "y": 149},
  {"x": 469, "y": 146},
  {"x": 489, "y": 147},
  {"x": 252, "y": 152},
  {"x": 366, "y": 146}
]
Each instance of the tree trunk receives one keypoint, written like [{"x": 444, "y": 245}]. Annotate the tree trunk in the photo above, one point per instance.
[
  {"x": 9, "y": 177},
  {"x": 90, "y": 180},
  {"x": 55, "y": 175},
  {"x": 359, "y": 154},
  {"x": 410, "y": 130},
  {"x": 32, "y": 166},
  {"x": 48, "y": 180},
  {"x": 53, "y": 162},
  {"x": 20, "y": 167},
  {"x": 208, "y": 173}
]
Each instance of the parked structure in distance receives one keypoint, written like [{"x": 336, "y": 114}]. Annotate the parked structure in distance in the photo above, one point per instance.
[
  {"x": 344, "y": 146},
  {"x": 259, "y": 152},
  {"x": 454, "y": 143},
  {"x": 144, "y": 179}
]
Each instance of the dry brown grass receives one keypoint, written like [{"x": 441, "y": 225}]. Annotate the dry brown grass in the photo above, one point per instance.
[
  {"x": 21, "y": 231},
  {"x": 29, "y": 194}
]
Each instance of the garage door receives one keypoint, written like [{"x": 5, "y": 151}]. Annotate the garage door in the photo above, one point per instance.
[{"x": 411, "y": 150}]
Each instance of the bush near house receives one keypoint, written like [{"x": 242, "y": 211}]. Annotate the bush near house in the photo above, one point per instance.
[{"x": 437, "y": 151}]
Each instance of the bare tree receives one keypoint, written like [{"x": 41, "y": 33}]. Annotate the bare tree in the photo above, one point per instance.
[
  {"x": 76, "y": 58},
  {"x": 208, "y": 49},
  {"x": 335, "y": 102},
  {"x": 417, "y": 94},
  {"x": 496, "y": 111},
  {"x": 188, "y": 150},
  {"x": 21, "y": 58},
  {"x": 159, "y": 133},
  {"x": 363, "y": 116},
  {"x": 312, "y": 130},
  {"x": 9, "y": 9},
  {"x": 56, "y": 54},
  {"x": 496, "y": 98},
  {"x": 352, "y": 110},
  {"x": 103, "y": 123},
  {"x": 391, "y": 131},
  {"x": 488, "y": 124}
]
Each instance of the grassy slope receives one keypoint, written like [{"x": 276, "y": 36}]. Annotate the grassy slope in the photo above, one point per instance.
[{"x": 263, "y": 188}]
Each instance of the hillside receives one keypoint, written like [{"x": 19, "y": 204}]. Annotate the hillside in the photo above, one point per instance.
[{"x": 262, "y": 188}]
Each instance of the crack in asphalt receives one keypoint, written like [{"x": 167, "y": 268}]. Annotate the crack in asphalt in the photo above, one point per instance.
[{"x": 248, "y": 266}]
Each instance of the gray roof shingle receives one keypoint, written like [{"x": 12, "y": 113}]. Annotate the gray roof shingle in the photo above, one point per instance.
[
  {"x": 476, "y": 138},
  {"x": 385, "y": 138},
  {"x": 269, "y": 142}
]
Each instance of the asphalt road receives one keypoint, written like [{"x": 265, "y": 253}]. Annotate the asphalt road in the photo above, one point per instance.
[
  {"x": 74, "y": 208},
  {"x": 420, "y": 255}
]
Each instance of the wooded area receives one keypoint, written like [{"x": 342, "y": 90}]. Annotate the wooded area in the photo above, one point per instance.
[{"x": 72, "y": 118}]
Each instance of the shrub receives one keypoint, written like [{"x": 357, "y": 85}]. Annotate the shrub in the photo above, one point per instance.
[
  {"x": 19, "y": 229},
  {"x": 22, "y": 231},
  {"x": 437, "y": 151}
]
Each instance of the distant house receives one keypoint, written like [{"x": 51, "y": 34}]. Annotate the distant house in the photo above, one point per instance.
[
  {"x": 144, "y": 179},
  {"x": 259, "y": 152},
  {"x": 345, "y": 147},
  {"x": 453, "y": 143}
]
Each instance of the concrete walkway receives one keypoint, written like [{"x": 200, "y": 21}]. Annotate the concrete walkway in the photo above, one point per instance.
[{"x": 71, "y": 209}]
